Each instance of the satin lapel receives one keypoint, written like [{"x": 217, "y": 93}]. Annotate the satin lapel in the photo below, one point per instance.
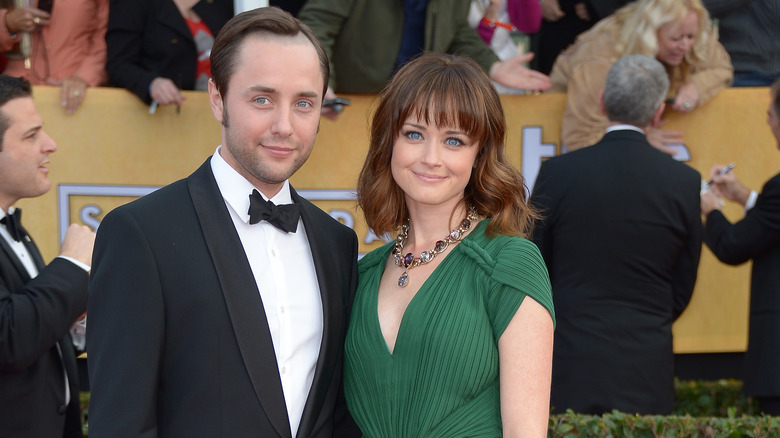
[
  {"x": 15, "y": 261},
  {"x": 241, "y": 296},
  {"x": 332, "y": 318}
]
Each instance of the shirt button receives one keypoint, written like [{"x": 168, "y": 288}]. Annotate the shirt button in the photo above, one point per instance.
[
  {"x": 273, "y": 252},
  {"x": 282, "y": 310},
  {"x": 284, "y": 370}
]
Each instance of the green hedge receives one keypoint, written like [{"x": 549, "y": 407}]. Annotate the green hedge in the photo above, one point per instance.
[
  {"x": 719, "y": 398},
  {"x": 618, "y": 424},
  {"x": 702, "y": 409}
]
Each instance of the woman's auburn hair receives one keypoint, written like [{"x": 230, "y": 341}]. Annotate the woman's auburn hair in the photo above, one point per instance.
[{"x": 446, "y": 90}]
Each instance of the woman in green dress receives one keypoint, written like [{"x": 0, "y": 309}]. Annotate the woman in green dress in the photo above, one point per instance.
[{"x": 442, "y": 340}]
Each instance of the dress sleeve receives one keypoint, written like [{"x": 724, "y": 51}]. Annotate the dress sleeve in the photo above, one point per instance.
[
  {"x": 519, "y": 271},
  {"x": 526, "y": 15},
  {"x": 714, "y": 74},
  {"x": 583, "y": 122},
  {"x": 93, "y": 66}
]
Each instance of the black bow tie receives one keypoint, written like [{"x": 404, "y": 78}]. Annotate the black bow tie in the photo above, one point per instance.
[
  {"x": 284, "y": 217},
  {"x": 13, "y": 223}
]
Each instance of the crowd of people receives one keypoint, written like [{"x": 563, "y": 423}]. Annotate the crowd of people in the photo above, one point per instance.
[{"x": 488, "y": 309}]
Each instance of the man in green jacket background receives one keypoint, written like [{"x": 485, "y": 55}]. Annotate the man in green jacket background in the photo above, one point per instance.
[{"x": 367, "y": 40}]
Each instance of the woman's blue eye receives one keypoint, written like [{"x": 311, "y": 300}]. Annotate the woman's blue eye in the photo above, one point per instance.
[
  {"x": 414, "y": 135},
  {"x": 453, "y": 142}
]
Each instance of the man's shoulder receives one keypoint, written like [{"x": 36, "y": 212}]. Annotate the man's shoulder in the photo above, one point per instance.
[
  {"x": 775, "y": 179},
  {"x": 322, "y": 218},
  {"x": 771, "y": 186},
  {"x": 171, "y": 196},
  {"x": 160, "y": 208},
  {"x": 160, "y": 197},
  {"x": 575, "y": 157},
  {"x": 651, "y": 156},
  {"x": 678, "y": 168}
]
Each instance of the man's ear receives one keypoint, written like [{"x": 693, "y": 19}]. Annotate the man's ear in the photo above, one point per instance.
[
  {"x": 215, "y": 100},
  {"x": 657, "y": 116}
]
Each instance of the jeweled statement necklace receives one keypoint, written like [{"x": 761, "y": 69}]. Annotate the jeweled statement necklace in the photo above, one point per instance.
[{"x": 409, "y": 261}]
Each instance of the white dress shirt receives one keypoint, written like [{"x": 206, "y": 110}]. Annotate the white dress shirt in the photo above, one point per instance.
[
  {"x": 284, "y": 271},
  {"x": 18, "y": 247}
]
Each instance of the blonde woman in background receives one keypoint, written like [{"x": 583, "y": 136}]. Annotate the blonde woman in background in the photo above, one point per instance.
[{"x": 678, "y": 33}]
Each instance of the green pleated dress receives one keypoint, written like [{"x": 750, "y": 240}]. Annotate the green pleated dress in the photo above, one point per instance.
[{"x": 442, "y": 378}]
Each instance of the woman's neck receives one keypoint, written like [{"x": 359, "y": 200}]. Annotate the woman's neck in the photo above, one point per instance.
[{"x": 427, "y": 224}]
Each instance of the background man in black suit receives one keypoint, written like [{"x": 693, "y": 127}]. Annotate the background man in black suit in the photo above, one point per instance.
[
  {"x": 621, "y": 237},
  {"x": 756, "y": 237},
  {"x": 205, "y": 319},
  {"x": 39, "y": 392}
]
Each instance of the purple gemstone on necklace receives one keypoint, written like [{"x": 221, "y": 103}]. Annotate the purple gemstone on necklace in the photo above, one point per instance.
[
  {"x": 408, "y": 259},
  {"x": 441, "y": 245},
  {"x": 466, "y": 223},
  {"x": 403, "y": 280},
  {"x": 426, "y": 256}
]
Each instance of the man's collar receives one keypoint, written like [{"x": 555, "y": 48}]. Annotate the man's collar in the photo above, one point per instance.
[
  {"x": 624, "y": 127},
  {"x": 4, "y": 213},
  {"x": 236, "y": 189}
]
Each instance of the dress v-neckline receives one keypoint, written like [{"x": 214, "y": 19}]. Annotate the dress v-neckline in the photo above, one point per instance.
[
  {"x": 401, "y": 325},
  {"x": 375, "y": 297}
]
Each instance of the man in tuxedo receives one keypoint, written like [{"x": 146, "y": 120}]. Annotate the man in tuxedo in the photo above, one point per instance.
[
  {"x": 39, "y": 392},
  {"x": 756, "y": 237},
  {"x": 621, "y": 236},
  {"x": 214, "y": 312}
]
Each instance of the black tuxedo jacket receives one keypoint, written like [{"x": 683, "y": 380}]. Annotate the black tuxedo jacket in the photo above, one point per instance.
[
  {"x": 178, "y": 343},
  {"x": 149, "y": 38},
  {"x": 756, "y": 237},
  {"x": 35, "y": 315},
  {"x": 621, "y": 237}
]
